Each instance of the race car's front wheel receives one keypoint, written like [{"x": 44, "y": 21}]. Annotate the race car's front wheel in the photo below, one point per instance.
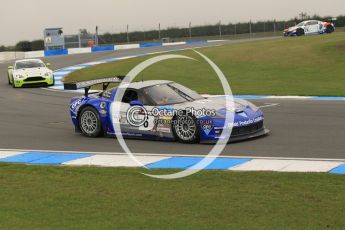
[
  {"x": 185, "y": 129},
  {"x": 329, "y": 29},
  {"x": 9, "y": 80},
  {"x": 52, "y": 83},
  {"x": 90, "y": 122},
  {"x": 300, "y": 32},
  {"x": 13, "y": 84}
]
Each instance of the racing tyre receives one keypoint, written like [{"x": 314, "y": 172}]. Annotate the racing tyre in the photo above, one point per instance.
[
  {"x": 8, "y": 77},
  {"x": 300, "y": 32},
  {"x": 13, "y": 85},
  {"x": 90, "y": 122},
  {"x": 185, "y": 129},
  {"x": 329, "y": 29},
  {"x": 53, "y": 83}
]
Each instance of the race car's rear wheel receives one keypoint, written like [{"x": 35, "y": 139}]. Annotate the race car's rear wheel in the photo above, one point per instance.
[
  {"x": 90, "y": 122},
  {"x": 300, "y": 32},
  {"x": 185, "y": 129},
  {"x": 329, "y": 29}
]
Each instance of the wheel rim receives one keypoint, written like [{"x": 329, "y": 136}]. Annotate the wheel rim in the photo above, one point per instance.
[
  {"x": 185, "y": 128},
  {"x": 89, "y": 122}
]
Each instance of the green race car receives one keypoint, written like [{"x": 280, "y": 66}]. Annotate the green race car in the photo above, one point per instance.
[{"x": 30, "y": 72}]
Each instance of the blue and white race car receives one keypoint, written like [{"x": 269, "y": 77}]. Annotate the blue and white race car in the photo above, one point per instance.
[
  {"x": 310, "y": 27},
  {"x": 160, "y": 110}
]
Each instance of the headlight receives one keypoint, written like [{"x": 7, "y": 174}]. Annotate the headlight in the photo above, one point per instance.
[
  {"x": 47, "y": 74},
  {"x": 20, "y": 76}
]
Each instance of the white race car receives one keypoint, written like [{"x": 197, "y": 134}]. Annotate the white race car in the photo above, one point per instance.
[
  {"x": 310, "y": 27},
  {"x": 31, "y": 72}
]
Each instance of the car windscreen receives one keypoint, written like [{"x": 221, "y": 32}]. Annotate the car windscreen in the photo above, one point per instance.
[
  {"x": 29, "y": 64},
  {"x": 301, "y": 24},
  {"x": 164, "y": 95},
  {"x": 190, "y": 93}
]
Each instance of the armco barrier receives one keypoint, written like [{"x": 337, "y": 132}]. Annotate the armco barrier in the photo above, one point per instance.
[
  {"x": 48, "y": 53},
  {"x": 34, "y": 54},
  {"x": 173, "y": 43},
  {"x": 143, "y": 45},
  {"x": 5, "y": 56},
  {"x": 195, "y": 41},
  {"x": 102, "y": 48},
  {"x": 79, "y": 50},
  {"x": 127, "y": 46}
]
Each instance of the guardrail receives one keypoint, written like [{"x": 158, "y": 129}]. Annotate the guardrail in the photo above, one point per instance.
[{"x": 6, "y": 56}]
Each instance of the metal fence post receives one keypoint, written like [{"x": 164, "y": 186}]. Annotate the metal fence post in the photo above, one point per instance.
[
  {"x": 220, "y": 29},
  {"x": 274, "y": 26},
  {"x": 159, "y": 31},
  {"x": 190, "y": 30},
  {"x": 79, "y": 39},
  {"x": 96, "y": 36},
  {"x": 127, "y": 33}
]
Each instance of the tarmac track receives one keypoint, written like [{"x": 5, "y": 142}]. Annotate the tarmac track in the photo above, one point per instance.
[{"x": 39, "y": 119}]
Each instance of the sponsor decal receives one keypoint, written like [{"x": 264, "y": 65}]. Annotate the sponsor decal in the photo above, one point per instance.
[
  {"x": 163, "y": 127},
  {"x": 76, "y": 104},
  {"x": 103, "y": 112},
  {"x": 123, "y": 120},
  {"x": 248, "y": 122},
  {"x": 207, "y": 126},
  {"x": 132, "y": 134}
]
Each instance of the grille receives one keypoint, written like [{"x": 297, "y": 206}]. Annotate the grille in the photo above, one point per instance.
[
  {"x": 34, "y": 79},
  {"x": 35, "y": 84},
  {"x": 247, "y": 129}
]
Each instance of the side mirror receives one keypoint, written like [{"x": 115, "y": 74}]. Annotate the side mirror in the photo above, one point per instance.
[
  {"x": 48, "y": 64},
  {"x": 10, "y": 67},
  {"x": 136, "y": 103}
]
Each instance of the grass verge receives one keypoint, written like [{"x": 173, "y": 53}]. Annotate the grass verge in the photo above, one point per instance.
[
  {"x": 310, "y": 65},
  {"x": 36, "y": 197}
]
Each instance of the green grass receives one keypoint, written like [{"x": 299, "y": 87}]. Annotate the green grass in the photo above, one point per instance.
[
  {"x": 39, "y": 197},
  {"x": 310, "y": 65}
]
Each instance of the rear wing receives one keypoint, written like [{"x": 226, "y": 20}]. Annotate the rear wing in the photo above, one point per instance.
[{"x": 86, "y": 85}]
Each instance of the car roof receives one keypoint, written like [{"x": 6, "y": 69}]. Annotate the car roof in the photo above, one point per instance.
[
  {"x": 144, "y": 84},
  {"x": 30, "y": 60},
  {"x": 310, "y": 21}
]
